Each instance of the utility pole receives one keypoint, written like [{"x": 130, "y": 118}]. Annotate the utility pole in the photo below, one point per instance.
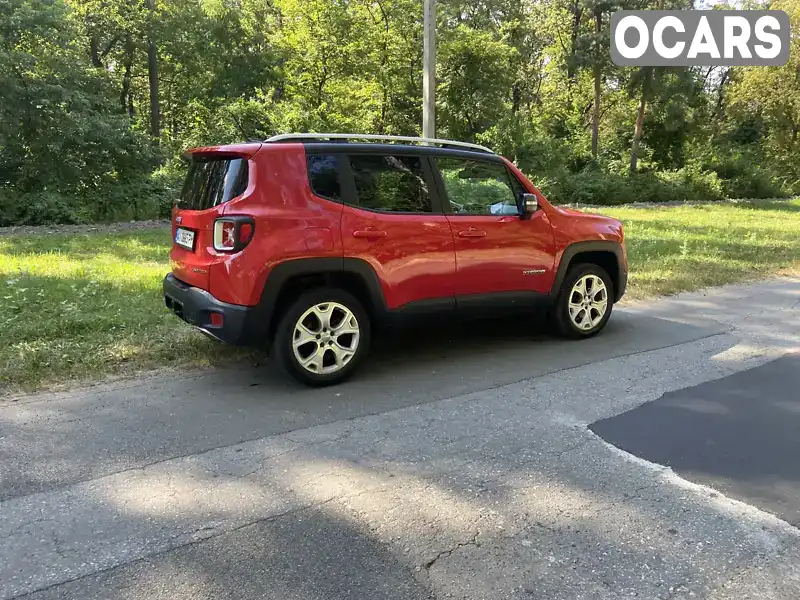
[{"x": 429, "y": 71}]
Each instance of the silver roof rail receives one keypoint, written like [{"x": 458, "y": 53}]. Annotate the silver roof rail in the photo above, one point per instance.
[{"x": 364, "y": 136}]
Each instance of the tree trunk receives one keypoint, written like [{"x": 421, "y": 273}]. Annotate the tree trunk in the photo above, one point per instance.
[
  {"x": 577, "y": 13},
  {"x": 152, "y": 71},
  {"x": 124, "y": 96},
  {"x": 516, "y": 98},
  {"x": 598, "y": 21},
  {"x": 718, "y": 111},
  {"x": 94, "y": 52},
  {"x": 637, "y": 133}
]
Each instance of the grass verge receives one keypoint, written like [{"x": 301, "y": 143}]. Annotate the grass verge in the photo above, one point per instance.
[
  {"x": 79, "y": 307},
  {"x": 685, "y": 248}
]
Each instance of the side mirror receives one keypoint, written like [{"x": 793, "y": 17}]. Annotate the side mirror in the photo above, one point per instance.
[{"x": 528, "y": 204}]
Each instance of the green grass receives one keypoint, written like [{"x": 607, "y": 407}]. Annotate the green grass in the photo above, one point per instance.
[
  {"x": 76, "y": 307},
  {"x": 79, "y": 307},
  {"x": 678, "y": 249}
]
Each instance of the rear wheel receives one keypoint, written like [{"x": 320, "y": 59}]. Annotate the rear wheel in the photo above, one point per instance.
[
  {"x": 322, "y": 337},
  {"x": 584, "y": 303}
]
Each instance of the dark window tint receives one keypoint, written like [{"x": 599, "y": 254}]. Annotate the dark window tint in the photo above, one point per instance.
[
  {"x": 213, "y": 181},
  {"x": 479, "y": 188},
  {"x": 391, "y": 183},
  {"x": 323, "y": 174}
]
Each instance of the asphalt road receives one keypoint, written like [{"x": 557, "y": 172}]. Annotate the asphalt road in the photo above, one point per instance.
[{"x": 458, "y": 465}]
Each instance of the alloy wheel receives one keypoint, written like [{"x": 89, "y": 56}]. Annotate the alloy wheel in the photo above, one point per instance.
[
  {"x": 325, "y": 338},
  {"x": 588, "y": 302}
]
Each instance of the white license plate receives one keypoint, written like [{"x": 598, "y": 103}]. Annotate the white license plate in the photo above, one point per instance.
[{"x": 185, "y": 238}]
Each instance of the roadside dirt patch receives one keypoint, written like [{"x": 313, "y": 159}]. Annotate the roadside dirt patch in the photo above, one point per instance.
[{"x": 93, "y": 228}]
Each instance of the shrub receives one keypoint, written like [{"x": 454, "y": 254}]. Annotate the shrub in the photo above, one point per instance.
[
  {"x": 145, "y": 198},
  {"x": 140, "y": 199},
  {"x": 687, "y": 184},
  {"x": 742, "y": 179},
  {"x": 36, "y": 208},
  {"x": 598, "y": 187}
]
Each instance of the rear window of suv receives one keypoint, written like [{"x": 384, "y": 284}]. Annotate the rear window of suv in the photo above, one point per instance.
[{"x": 213, "y": 181}]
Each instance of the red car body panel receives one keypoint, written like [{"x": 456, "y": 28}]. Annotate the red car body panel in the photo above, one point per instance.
[
  {"x": 194, "y": 266},
  {"x": 567, "y": 230},
  {"x": 570, "y": 226},
  {"x": 503, "y": 253},
  {"x": 414, "y": 256},
  {"x": 197, "y": 267},
  {"x": 290, "y": 223}
]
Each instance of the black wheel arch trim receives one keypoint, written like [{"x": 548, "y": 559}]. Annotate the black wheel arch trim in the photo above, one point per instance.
[
  {"x": 284, "y": 272},
  {"x": 571, "y": 251}
]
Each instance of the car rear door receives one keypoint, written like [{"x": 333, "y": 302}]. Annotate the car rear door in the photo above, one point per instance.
[
  {"x": 392, "y": 219},
  {"x": 497, "y": 251},
  {"x": 212, "y": 180}
]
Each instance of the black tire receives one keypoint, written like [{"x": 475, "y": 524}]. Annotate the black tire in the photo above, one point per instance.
[
  {"x": 283, "y": 349},
  {"x": 561, "y": 318}
]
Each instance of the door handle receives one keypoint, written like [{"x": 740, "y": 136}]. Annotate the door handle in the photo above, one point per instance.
[
  {"x": 472, "y": 233},
  {"x": 369, "y": 233}
]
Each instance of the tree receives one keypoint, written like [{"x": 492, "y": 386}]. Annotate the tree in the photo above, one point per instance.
[
  {"x": 593, "y": 51},
  {"x": 773, "y": 95},
  {"x": 475, "y": 79},
  {"x": 152, "y": 74},
  {"x": 645, "y": 82},
  {"x": 60, "y": 130}
]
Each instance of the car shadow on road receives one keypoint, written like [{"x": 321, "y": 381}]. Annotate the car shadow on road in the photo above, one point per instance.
[
  {"x": 447, "y": 359},
  {"x": 177, "y": 415}
]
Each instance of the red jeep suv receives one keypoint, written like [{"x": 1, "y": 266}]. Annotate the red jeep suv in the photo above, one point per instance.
[{"x": 308, "y": 241}]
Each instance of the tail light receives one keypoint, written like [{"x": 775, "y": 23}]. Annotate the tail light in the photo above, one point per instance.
[{"x": 232, "y": 234}]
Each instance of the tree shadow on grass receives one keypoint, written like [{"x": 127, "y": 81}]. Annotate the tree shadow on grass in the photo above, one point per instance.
[
  {"x": 59, "y": 329},
  {"x": 787, "y": 205}
]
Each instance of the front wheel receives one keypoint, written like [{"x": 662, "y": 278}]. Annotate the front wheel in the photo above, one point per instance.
[
  {"x": 322, "y": 337},
  {"x": 584, "y": 303}
]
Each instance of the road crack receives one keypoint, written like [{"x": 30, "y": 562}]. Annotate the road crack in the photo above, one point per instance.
[
  {"x": 447, "y": 553},
  {"x": 24, "y": 525}
]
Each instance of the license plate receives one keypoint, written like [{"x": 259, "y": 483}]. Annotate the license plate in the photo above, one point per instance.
[{"x": 185, "y": 238}]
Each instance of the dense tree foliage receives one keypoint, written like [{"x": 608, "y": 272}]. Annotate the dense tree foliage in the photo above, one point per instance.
[{"x": 98, "y": 98}]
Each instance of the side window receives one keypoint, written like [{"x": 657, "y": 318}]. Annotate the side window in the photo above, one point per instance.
[
  {"x": 479, "y": 188},
  {"x": 391, "y": 183},
  {"x": 323, "y": 175}
]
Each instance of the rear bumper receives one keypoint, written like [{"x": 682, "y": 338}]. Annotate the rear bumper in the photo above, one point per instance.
[{"x": 195, "y": 306}]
